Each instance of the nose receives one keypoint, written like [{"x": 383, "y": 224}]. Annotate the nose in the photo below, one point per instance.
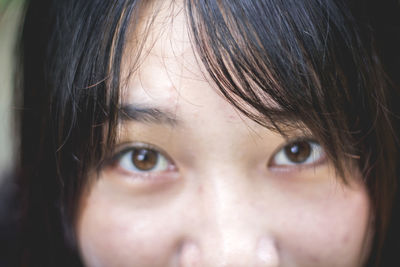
[
  {"x": 228, "y": 230},
  {"x": 230, "y": 254}
]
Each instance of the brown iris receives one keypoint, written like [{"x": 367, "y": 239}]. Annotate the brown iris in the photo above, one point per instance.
[
  {"x": 298, "y": 152},
  {"x": 144, "y": 159}
]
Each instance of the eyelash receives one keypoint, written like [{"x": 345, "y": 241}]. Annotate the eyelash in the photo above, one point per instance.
[{"x": 162, "y": 164}]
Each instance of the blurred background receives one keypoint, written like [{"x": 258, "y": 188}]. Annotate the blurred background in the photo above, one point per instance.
[{"x": 10, "y": 18}]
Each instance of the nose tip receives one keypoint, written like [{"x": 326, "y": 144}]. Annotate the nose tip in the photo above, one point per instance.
[
  {"x": 263, "y": 254},
  {"x": 267, "y": 253},
  {"x": 190, "y": 255}
]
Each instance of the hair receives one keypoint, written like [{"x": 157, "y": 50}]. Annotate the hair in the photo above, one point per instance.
[{"x": 330, "y": 66}]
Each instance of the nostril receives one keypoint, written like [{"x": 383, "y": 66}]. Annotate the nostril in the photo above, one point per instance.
[
  {"x": 190, "y": 255},
  {"x": 267, "y": 253}
]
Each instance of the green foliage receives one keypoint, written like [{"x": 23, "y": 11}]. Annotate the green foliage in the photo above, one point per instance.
[{"x": 5, "y": 3}]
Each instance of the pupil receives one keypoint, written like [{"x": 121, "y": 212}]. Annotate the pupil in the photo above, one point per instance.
[
  {"x": 298, "y": 152},
  {"x": 144, "y": 159}
]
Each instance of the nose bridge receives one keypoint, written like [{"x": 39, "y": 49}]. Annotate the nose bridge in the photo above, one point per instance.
[{"x": 233, "y": 231}]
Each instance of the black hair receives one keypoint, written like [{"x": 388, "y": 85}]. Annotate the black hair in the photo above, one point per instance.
[{"x": 326, "y": 64}]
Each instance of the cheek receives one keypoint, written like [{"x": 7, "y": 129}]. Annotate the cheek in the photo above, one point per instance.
[
  {"x": 322, "y": 226},
  {"x": 330, "y": 229},
  {"x": 111, "y": 234}
]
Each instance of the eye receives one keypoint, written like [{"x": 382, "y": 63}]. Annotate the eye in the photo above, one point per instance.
[
  {"x": 141, "y": 159},
  {"x": 300, "y": 152}
]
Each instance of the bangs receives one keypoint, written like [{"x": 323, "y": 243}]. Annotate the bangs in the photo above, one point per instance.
[{"x": 287, "y": 64}]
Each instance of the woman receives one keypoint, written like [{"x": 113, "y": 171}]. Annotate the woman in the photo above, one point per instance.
[{"x": 207, "y": 133}]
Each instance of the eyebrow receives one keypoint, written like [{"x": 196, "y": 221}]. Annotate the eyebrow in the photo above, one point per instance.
[
  {"x": 149, "y": 115},
  {"x": 153, "y": 115}
]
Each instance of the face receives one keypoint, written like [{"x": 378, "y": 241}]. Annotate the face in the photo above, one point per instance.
[{"x": 195, "y": 183}]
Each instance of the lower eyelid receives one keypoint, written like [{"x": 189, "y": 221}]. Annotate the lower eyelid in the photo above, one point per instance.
[
  {"x": 300, "y": 167},
  {"x": 155, "y": 177}
]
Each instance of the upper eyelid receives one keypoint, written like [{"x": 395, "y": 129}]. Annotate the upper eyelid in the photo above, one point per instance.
[
  {"x": 291, "y": 140},
  {"x": 125, "y": 147}
]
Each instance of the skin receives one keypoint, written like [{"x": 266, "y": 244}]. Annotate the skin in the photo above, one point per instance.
[{"x": 223, "y": 199}]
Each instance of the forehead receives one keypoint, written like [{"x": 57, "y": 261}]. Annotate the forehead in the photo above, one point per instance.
[{"x": 160, "y": 67}]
